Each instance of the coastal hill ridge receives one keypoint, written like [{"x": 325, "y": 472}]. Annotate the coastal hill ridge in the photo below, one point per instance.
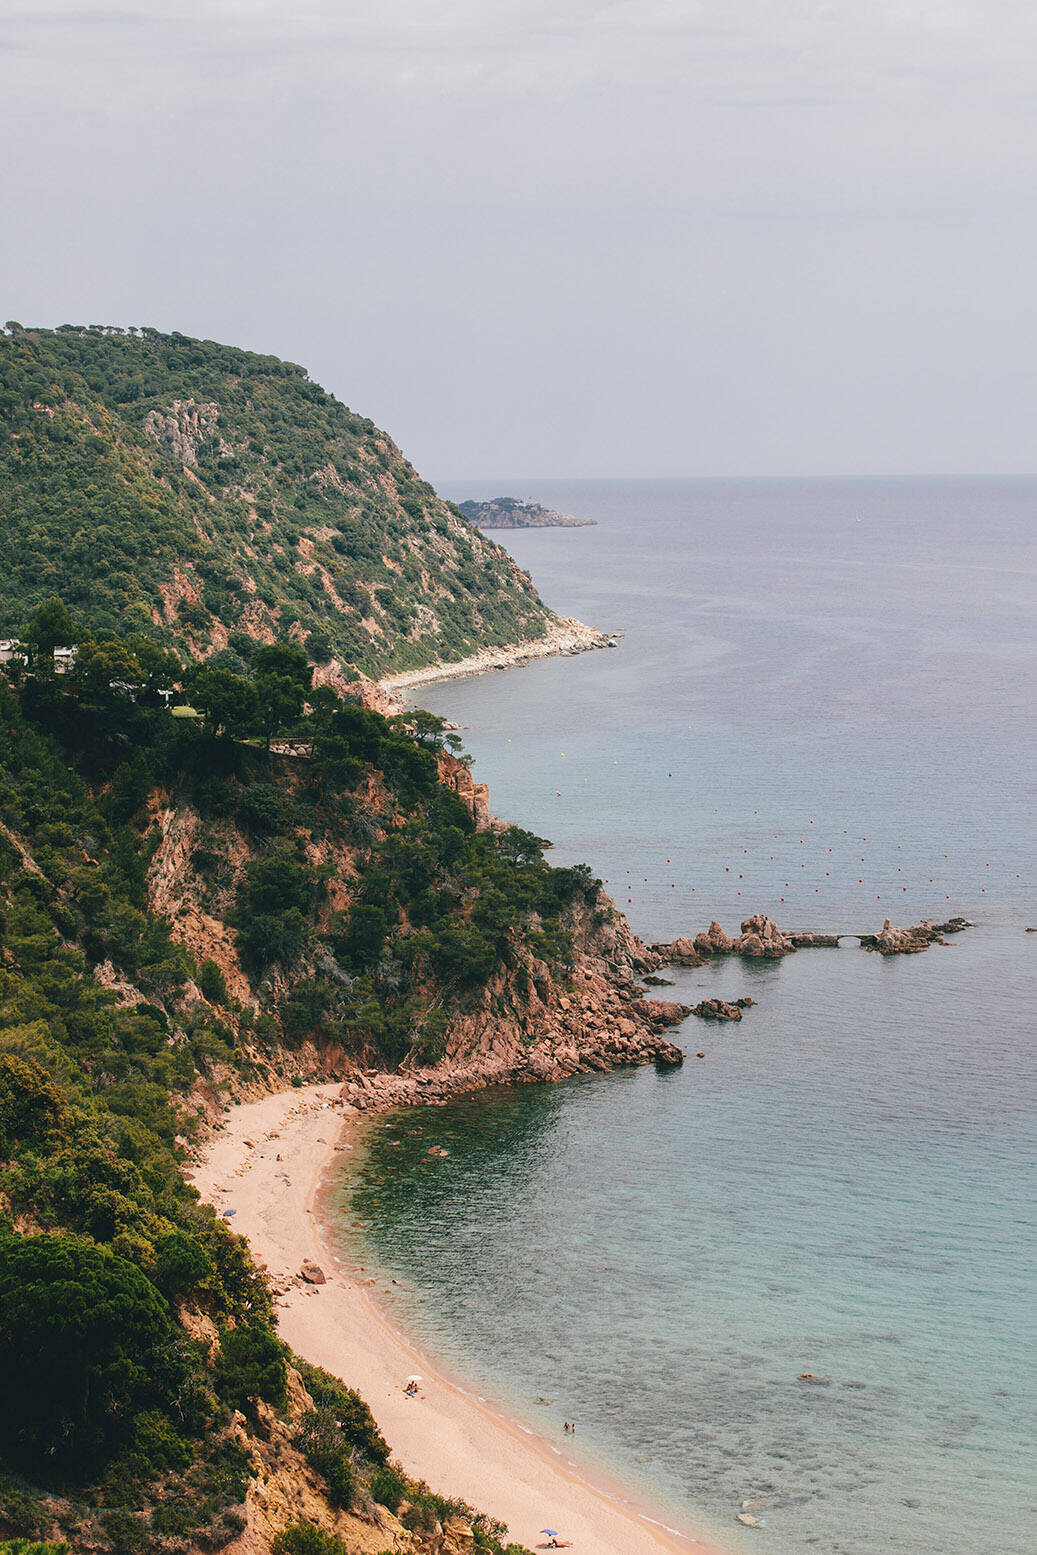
[{"x": 220, "y": 498}]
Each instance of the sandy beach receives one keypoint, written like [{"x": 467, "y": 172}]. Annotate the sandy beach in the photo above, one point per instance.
[{"x": 267, "y": 1165}]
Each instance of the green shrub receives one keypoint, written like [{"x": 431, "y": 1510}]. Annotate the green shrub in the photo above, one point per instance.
[
  {"x": 261, "y": 809},
  {"x": 250, "y": 1367},
  {"x": 32, "y": 1547},
  {"x": 211, "y": 983},
  {"x": 181, "y": 1263},
  {"x": 325, "y": 1447},
  {"x": 20, "y": 1510},
  {"x": 389, "y": 1486},
  {"x": 359, "y": 939},
  {"x": 318, "y": 646},
  {"x": 307, "y": 1539}
]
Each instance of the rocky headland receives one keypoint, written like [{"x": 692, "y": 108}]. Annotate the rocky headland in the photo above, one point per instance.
[{"x": 510, "y": 513}]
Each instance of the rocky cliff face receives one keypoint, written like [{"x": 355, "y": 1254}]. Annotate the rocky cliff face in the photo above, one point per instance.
[{"x": 532, "y": 1020}]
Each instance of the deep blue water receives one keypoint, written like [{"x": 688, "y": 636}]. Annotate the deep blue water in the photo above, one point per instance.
[{"x": 821, "y": 708}]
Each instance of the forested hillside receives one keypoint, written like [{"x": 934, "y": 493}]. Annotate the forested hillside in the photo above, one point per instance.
[
  {"x": 187, "y": 918},
  {"x": 213, "y": 497}
]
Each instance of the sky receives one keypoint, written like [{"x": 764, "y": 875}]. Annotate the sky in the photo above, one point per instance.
[{"x": 647, "y": 237}]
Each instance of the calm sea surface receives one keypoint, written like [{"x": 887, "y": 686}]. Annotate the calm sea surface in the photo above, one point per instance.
[{"x": 821, "y": 708}]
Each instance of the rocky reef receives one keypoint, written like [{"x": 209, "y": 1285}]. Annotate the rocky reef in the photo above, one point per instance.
[
  {"x": 761, "y": 939},
  {"x": 894, "y": 941}
]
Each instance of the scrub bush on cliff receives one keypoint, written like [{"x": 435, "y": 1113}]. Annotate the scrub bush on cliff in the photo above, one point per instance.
[
  {"x": 354, "y": 1417},
  {"x": 250, "y": 1367}
]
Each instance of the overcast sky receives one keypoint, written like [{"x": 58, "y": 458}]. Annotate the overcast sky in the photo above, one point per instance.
[{"x": 651, "y": 237}]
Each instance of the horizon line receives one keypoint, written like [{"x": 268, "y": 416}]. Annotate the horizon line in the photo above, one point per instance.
[{"x": 917, "y": 475}]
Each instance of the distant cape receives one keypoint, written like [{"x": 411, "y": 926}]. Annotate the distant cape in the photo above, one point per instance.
[{"x": 510, "y": 513}]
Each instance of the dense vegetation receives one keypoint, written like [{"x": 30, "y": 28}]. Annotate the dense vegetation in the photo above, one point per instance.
[
  {"x": 369, "y": 912},
  {"x": 211, "y": 497}
]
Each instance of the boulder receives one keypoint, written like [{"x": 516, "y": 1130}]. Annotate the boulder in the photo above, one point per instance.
[
  {"x": 717, "y": 1009},
  {"x": 458, "y": 1537},
  {"x": 761, "y": 938},
  {"x": 679, "y": 952},
  {"x": 312, "y": 1272},
  {"x": 663, "y": 1012},
  {"x": 713, "y": 942}
]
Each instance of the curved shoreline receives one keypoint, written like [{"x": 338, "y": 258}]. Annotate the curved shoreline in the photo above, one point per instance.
[
  {"x": 564, "y": 635},
  {"x": 268, "y": 1164}
]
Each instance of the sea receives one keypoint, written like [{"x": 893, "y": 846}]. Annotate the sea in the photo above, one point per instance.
[{"x": 794, "y": 1279}]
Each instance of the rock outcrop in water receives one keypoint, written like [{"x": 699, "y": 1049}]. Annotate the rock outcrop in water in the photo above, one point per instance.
[
  {"x": 714, "y": 942},
  {"x": 761, "y": 939},
  {"x": 721, "y": 1009},
  {"x": 894, "y": 941}
]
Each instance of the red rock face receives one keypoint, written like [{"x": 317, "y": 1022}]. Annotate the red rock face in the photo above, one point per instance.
[
  {"x": 474, "y": 796},
  {"x": 535, "y": 1023}
]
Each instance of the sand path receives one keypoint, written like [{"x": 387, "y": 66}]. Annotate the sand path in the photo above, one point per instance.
[{"x": 460, "y": 1446}]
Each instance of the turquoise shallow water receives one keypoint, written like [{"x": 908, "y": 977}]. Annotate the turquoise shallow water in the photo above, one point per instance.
[{"x": 821, "y": 696}]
